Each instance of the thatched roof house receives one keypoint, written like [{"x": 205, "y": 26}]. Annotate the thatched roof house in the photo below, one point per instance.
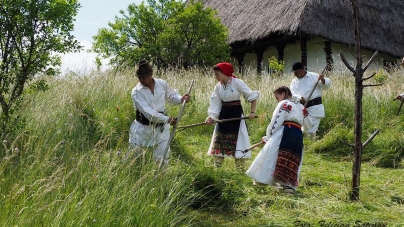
[{"x": 257, "y": 26}]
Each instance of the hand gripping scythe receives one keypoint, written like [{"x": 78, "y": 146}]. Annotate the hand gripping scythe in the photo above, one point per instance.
[{"x": 175, "y": 127}]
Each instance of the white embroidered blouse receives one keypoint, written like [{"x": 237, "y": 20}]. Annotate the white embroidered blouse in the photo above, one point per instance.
[
  {"x": 230, "y": 92},
  {"x": 288, "y": 110}
]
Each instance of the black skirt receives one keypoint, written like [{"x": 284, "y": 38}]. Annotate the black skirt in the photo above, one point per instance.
[
  {"x": 230, "y": 110},
  {"x": 225, "y": 138}
]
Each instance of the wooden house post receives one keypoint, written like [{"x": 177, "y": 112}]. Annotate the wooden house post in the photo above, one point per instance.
[
  {"x": 260, "y": 57},
  {"x": 303, "y": 48},
  {"x": 329, "y": 61},
  {"x": 240, "y": 61},
  {"x": 281, "y": 51}
]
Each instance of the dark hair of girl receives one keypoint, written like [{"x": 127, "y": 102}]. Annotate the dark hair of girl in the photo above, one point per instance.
[
  {"x": 216, "y": 68},
  {"x": 283, "y": 89}
]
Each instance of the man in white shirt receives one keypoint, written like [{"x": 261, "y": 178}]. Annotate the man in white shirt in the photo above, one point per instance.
[
  {"x": 152, "y": 127},
  {"x": 301, "y": 88}
]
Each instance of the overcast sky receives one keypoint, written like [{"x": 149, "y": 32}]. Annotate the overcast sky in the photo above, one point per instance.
[{"x": 93, "y": 15}]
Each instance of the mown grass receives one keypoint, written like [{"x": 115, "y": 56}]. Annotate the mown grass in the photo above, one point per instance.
[{"x": 69, "y": 166}]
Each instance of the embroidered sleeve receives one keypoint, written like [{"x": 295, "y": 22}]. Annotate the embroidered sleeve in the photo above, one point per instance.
[
  {"x": 307, "y": 120},
  {"x": 286, "y": 107},
  {"x": 278, "y": 117},
  {"x": 305, "y": 112}
]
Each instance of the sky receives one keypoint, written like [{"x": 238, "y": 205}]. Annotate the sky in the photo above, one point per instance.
[{"x": 93, "y": 15}]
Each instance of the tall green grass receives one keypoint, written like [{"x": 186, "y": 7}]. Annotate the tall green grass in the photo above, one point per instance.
[{"x": 69, "y": 165}]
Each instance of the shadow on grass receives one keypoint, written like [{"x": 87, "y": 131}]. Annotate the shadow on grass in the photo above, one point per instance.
[{"x": 218, "y": 188}]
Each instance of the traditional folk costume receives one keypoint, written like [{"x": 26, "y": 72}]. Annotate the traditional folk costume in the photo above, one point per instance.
[
  {"x": 230, "y": 139},
  {"x": 151, "y": 127},
  {"x": 301, "y": 87},
  {"x": 280, "y": 159}
]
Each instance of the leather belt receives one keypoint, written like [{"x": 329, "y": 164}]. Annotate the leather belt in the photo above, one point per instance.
[
  {"x": 315, "y": 101},
  {"x": 144, "y": 121},
  {"x": 292, "y": 123},
  {"x": 232, "y": 103}
]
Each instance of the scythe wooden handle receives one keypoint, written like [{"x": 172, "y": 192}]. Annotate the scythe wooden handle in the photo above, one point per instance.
[
  {"x": 175, "y": 127},
  {"x": 253, "y": 146},
  {"x": 401, "y": 105},
  {"x": 314, "y": 88},
  {"x": 224, "y": 120}
]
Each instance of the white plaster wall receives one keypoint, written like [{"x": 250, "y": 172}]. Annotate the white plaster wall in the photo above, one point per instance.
[
  {"x": 348, "y": 52},
  {"x": 316, "y": 57}
]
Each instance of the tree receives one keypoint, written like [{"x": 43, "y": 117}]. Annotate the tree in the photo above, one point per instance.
[
  {"x": 167, "y": 32},
  {"x": 32, "y": 33},
  {"x": 194, "y": 37},
  {"x": 358, "y": 72}
]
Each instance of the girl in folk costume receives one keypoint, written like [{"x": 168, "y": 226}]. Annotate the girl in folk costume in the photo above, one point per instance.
[
  {"x": 280, "y": 159},
  {"x": 229, "y": 139}
]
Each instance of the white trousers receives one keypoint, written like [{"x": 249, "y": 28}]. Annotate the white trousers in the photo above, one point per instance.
[
  {"x": 315, "y": 125},
  {"x": 150, "y": 136}
]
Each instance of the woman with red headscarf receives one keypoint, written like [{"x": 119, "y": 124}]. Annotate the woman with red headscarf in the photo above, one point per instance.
[{"x": 229, "y": 139}]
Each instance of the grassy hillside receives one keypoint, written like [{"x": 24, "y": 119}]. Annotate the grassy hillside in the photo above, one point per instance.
[{"x": 69, "y": 165}]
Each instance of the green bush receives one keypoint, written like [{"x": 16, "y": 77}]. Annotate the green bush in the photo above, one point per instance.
[
  {"x": 381, "y": 76},
  {"x": 277, "y": 67}
]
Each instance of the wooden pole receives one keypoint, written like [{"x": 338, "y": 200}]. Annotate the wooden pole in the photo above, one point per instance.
[
  {"x": 175, "y": 127},
  {"x": 358, "y": 74},
  {"x": 356, "y": 169}
]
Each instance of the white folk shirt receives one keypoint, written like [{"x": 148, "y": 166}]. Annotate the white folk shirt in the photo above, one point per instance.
[
  {"x": 227, "y": 93},
  {"x": 301, "y": 87},
  {"x": 151, "y": 106},
  {"x": 288, "y": 110}
]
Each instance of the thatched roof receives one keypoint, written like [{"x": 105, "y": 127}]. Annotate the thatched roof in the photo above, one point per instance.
[{"x": 381, "y": 21}]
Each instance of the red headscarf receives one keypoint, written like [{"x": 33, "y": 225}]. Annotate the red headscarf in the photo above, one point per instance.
[{"x": 226, "y": 68}]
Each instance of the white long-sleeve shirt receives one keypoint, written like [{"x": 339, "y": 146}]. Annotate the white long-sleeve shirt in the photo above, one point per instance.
[
  {"x": 234, "y": 89},
  {"x": 301, "y": 87},
  {"x": 152, "y": 105}
]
